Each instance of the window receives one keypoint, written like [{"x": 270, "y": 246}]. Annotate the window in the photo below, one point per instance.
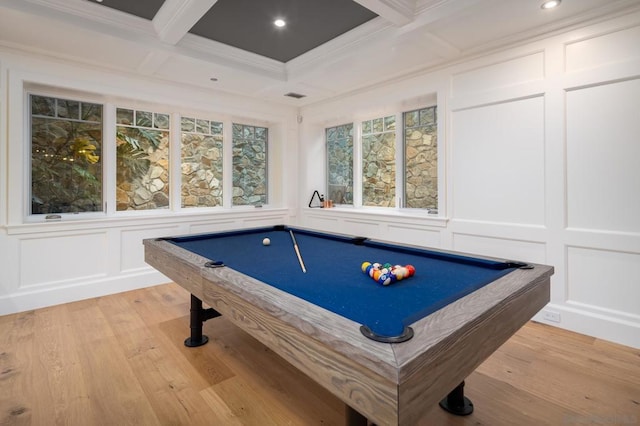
[
  {"x": 398, "y": 170},
  {"x": 379, "y": 162},
  {"x": 142, "y": 165},
  {"x": 92, "y": 156},
  {"x": 201, "y": 163},
  {"x": 421, "y": 159},
  {"x": 66, "y": 155},
  {"x": 249, "y": 165},
  {"x": 339, "y": 141}
]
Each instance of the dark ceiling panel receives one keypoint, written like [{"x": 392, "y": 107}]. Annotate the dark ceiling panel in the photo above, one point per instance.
[
  {"x": 248, "y": 24},
  {"x": 143, "y": 8}
]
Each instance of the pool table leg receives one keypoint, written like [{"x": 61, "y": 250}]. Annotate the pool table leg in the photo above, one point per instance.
[
  {"x": 456, "y": 403},
  {"x": 354, "y": 418},
  {"x": 198, "y": 316}
]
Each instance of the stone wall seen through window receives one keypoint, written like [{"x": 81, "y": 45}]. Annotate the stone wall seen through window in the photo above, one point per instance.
[
  {"x": 201, "y": 165},
  {"x": 249, "y": 164},
  {"x": 421, "y": 159},
  {"x": 379, "y": 162}
]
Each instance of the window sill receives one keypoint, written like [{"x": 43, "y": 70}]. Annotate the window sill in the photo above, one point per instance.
[
  {"x": 132, "y": 220},
  {"x": 380, "y": 214}
]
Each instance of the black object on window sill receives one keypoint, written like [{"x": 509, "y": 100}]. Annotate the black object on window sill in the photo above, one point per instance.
[{"x": 320, "y": 200}]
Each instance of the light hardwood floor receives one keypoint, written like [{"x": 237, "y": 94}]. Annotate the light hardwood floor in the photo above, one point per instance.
[{"x": 120, "y": 360}]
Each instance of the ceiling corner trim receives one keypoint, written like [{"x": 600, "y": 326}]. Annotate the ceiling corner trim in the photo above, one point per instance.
[
  {"x": 176, "y": 17},
  {"x": 398, "y": 12}
]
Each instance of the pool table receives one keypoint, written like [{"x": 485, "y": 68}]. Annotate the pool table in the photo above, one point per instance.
[{"x": 390, "y": 352}]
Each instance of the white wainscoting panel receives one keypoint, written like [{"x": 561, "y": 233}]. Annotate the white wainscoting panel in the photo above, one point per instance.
[
  {"x": 604, "y": 280},
  {"x": 503, "y": 248},
  {"x": 413, "y": 236},
  {"x": 363, "y": 228},
  {"x": 616, "y": 47},
  {"x": 603, "y": 152},
  {"x": 51, "y": 260},
  {"x": 320, "y": 222},
  {"x": 132, "y": 249},
  {"x": 394, "y": 227},
  {"x": 498, "y": 162},
  {"x": 209, "y": 226}
]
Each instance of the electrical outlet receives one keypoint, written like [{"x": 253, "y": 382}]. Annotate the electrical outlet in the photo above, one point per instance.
[{"x": 552, "y": 316}]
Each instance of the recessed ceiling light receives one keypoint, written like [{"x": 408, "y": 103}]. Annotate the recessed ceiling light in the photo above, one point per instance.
[
  {"x": 550, "y": 4},
  {"x": 279, "y": 23}
]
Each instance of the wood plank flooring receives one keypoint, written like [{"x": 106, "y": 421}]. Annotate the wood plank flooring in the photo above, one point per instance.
[{"x": 120, "y": 360}]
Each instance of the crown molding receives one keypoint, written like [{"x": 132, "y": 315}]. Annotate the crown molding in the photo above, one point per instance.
[
  {"x": 92, "y": 13},
  {"x": 593, "y": 16},
  {"x": 176, "y": 17},
  {"x": 398, "y": 12},
  {"x": 340, "y": 47}
]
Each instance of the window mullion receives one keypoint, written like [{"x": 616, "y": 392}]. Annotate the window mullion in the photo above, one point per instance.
[
  {"x": 109, "y": 157},
  {"x": 357, "y": 164},
  {"x": 227, "y": 165},
  {"x": 400, "y": 161},
  {"x": 175, "y": 160}
]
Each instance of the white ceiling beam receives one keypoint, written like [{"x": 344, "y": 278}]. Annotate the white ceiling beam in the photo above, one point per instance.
[
  {"x": 398, "y": 12},
  {"x": 176, "y": 17}
]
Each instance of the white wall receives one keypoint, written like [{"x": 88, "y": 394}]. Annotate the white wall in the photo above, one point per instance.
[
  {"x": 539, "y": 152},
  {"x": 43, "y": 264}
]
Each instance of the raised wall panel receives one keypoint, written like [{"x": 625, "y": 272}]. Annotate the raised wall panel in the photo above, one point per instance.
[
  {"x": 362, "y": 229},
  {"x": 209, "y": 227},
  {"x": 322, "y": 223},
  {"x": 512, "y": 72},
  {"x": 503, "y": 248},
  {"x": 498, "y": 162},
  {"x": 604, "y": 279},
  {"x": 606, "y": 49},
  {"x": 52, "y": 260},
  {"x": 132, "y": 250},
  {"x": 413, "y": 236},
  {"x": 603, "y": 153}
]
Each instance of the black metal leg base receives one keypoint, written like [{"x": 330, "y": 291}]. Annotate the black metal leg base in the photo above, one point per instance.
[
  {"x": 456, "y": 403},
  {"x": 191, "y": 343},
  {"x": 197, "y": 317}
]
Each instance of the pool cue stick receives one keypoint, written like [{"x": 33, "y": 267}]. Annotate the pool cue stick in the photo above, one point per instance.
[{"x": 295, "y": 247}]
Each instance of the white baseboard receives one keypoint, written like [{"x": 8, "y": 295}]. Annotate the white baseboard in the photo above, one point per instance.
[
  {"x": 602, "y": 326},
  {"x": 36, "y": 298}
]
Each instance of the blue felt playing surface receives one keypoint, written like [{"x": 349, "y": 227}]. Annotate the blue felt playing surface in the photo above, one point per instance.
[{"x": 335, "y": 281}]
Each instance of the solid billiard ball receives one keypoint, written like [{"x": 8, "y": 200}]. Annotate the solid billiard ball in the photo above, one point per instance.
[
  {"x": 411, "y": 270},
  {"x": 266, "y": 242}
]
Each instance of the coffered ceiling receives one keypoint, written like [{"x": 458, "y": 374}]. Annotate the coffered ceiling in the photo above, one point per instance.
[{"x": 326, "y": 48}]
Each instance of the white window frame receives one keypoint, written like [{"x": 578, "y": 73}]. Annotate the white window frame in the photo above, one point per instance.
[{"x": 400, "y": 174}]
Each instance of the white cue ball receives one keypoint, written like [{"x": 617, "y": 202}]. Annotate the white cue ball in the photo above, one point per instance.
[{"x": 266, "y": 242}]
